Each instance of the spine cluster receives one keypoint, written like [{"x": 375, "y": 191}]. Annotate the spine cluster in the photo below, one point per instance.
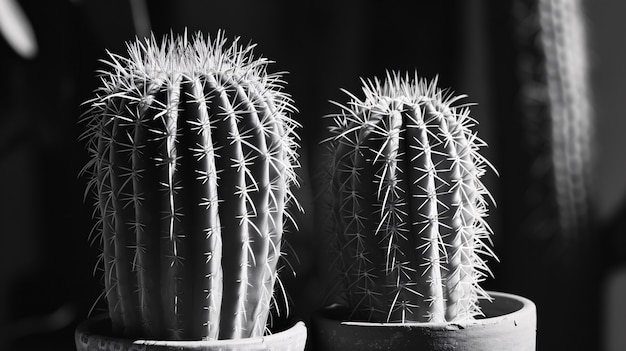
[
  {"x": 193, "y": 155},
  {"x": 407, "y": 202}
]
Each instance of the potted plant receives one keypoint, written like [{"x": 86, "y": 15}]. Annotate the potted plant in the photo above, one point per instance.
[
  {"x": 408, "y": 217},
  {"x": 193, "y": 155}
]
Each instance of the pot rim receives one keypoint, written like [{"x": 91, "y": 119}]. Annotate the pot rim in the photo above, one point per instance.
[
  {"x": 89, "y": 329},
  {"x": 518, "y": 306}
]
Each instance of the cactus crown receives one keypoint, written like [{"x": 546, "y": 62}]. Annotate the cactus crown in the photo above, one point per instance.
[
  {"x": 408, "y": 206},
  {"x": 193, "y": 155}
]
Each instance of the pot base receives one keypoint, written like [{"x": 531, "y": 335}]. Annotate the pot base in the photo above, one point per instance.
[
  {"x": 510, "y": 324},
  {"x": 94, "y": 335}
]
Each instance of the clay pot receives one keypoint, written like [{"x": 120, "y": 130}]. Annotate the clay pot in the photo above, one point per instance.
[
  {"x": 510, "y": 324},
  {"x": 94, "y": 335}
]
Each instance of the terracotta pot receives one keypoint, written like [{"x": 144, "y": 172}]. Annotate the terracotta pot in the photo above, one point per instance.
[
  {"x": 510, "y": 324},
  {"x": 94, "y": 335}
]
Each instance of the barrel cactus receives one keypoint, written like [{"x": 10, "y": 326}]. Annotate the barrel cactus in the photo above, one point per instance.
[
  {"x": 193, "y": 154},
  {"x": 408, "y": 205}
]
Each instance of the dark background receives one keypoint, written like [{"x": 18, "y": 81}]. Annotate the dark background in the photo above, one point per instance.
[{"x": 47, "y": 263}]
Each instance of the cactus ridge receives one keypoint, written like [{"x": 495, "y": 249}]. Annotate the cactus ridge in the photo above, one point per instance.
[
  {"x": 409, "y": 208},
  {"x": 193, "y": 155}
]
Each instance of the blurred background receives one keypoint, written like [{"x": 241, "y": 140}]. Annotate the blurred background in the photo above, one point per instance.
[{"x": 547, "y": 75}]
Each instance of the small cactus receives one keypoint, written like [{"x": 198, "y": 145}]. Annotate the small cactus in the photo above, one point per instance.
[
  {"x": 193, "y": 153},
  {"x": 408, "y": 206}
]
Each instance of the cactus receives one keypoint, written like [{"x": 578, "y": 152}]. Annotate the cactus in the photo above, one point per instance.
[
  {"x": 192, "y": 157},
  {"x": 408, "y": 206},
  {"x": 557, "y": 117}
]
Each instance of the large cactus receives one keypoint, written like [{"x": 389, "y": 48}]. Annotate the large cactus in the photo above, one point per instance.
[
  {"x": 408, "y": 204},
  {"x": 193, "y": 153},
  {"x": 557, "y": 117}
]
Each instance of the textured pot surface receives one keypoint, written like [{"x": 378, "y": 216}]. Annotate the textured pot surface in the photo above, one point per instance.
[
  {"x": 94, "y": 335},
  {"x": 510, "y": 324}
]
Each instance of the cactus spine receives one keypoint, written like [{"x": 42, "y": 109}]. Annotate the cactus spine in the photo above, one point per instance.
[
  {"x": 408, "y": 205},
  {"x": 193, "y": 153}
]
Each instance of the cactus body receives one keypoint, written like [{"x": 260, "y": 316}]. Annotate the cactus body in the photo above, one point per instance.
[
  {"x": 193, "y": 154},
  {"x": 557, "y": 117},
  {"x": 408, "y": 204},
  {"x": 567, "y": 86}
]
